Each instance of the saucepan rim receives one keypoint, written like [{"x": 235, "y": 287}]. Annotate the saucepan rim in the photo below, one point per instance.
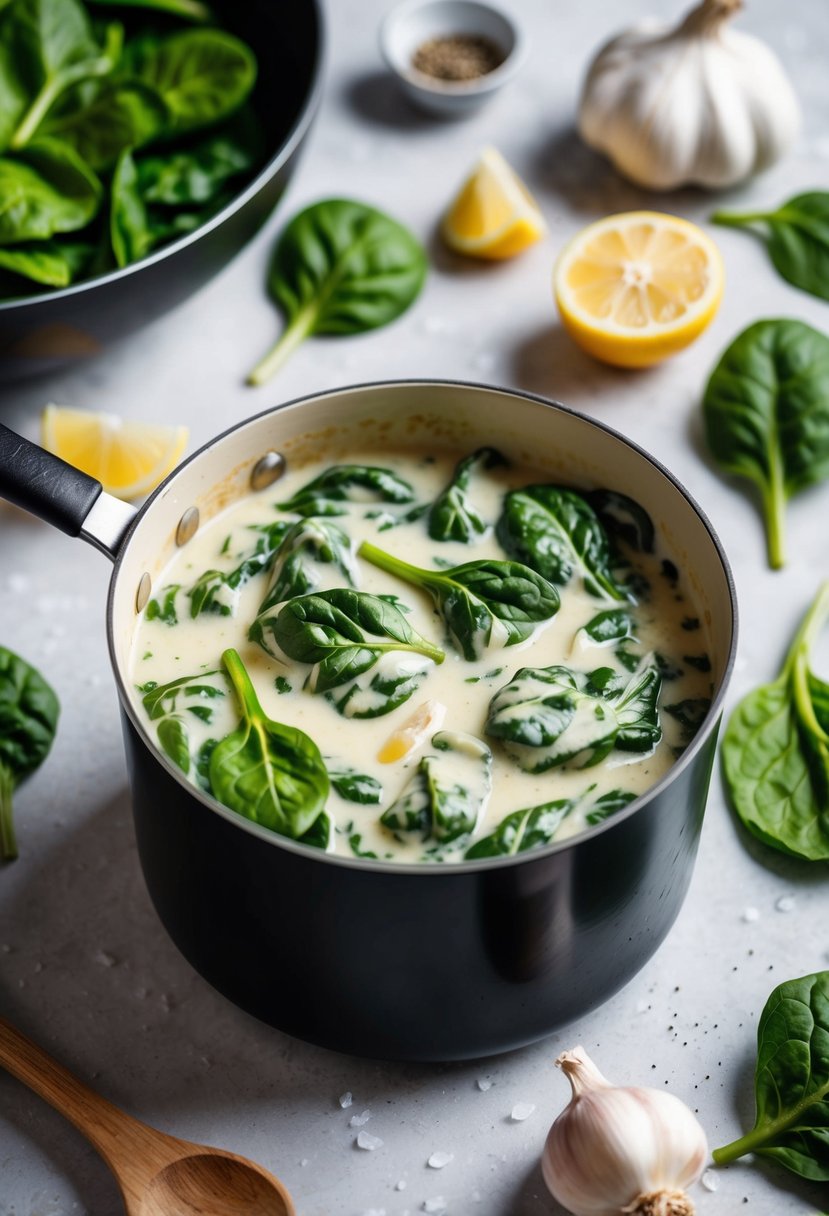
[{"x": 449, "y": 869}]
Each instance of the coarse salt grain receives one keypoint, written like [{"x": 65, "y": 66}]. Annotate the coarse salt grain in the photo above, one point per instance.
[
  {"x": 438, "y": 1160},
  {"x": 368, "y": 1142},
  {"x": 750, "y": 915},
  {"x": 346, "y": 1099},
  {"x": 436, "y": 1206},
  {"x": 785, "y": 903},
  {"x": 483, "y": 1084},
  {"x": 103, "y": 959},
  {"x": 401, "y": 1185},
  {"x": 710, "y": 1180},
  {"x": 359, "y": 1120},
  {"x": 521, "y": 1111}
]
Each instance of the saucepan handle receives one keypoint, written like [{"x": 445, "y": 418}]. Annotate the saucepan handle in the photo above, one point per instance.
[{"x": 63, "y": 496}]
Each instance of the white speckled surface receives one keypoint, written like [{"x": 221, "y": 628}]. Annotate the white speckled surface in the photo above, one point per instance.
[{"x": 84, "y": 963}]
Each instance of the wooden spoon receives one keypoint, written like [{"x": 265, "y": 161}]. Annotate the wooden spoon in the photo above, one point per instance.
[{"x": 159, "y": 1175}]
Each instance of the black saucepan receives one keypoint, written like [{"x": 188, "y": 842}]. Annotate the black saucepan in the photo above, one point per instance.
[{"x": 387, "y": 960}]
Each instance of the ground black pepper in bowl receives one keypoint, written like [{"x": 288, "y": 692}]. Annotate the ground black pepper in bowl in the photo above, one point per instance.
[{"x": 458, "y": 57}]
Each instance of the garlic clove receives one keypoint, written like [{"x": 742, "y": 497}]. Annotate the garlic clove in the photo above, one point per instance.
[{"x": 621, "y": 1149}]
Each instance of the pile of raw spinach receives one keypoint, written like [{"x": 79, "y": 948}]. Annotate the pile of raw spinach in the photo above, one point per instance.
[
  {"x": 351, "y": 644},
  {"x": 114, "y": 139}
]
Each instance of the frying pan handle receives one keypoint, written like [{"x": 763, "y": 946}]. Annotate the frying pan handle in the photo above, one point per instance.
[{"x": 63, "y": 496}]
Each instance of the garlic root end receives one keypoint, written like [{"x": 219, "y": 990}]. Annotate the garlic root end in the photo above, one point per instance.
[{"x": 661, "y": 1203}]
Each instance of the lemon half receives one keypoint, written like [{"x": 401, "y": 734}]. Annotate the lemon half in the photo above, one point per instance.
[
  {"x": 635, "y": 288},
  {"x": 128, "y": 458}
]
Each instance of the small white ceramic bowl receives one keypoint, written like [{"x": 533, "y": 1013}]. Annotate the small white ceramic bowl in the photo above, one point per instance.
[{"x": 414, "y": 22}]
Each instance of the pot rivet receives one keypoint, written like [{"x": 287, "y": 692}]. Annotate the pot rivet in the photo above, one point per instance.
[
  {"x": 267, "y": 470},
  {"x": 188, "y": 526},
  {"x": 145, "y": 586}
]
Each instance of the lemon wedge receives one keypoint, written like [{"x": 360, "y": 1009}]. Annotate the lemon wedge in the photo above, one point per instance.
[
  {"x": 422, "y": 724},
  {"x": 635, "y": 288},
  {"x": 128, "y": 458},
  {"x": 493, "y": 215}
]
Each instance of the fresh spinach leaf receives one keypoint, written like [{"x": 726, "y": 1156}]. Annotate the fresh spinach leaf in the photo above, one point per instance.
[
  {"x": 481, "y": 602},
  {"x": 549, "y": 716},
  {"x": 797, "y": 236},
  {"x": 45, "y": 190},
  {"x": 15, "y": 92},
  {"x": 195, "y": 175},
  {"x": 775, "y": 751},
  {"x": 612, "y": 625},
  {"x": 129, "y": 227},
  {"x": 40, "y": 261},
  {"x": 557, "y": 533},
  {"x": 355, "y": 786},
  {"x": 55, "y": 47},
  {"x": 624, "y": 518},
  {"x": 119, "y": 114},
  {"x": 341, "y": 483},
  {"x": 791, "y": 1081},
  {"x": 766, "y": 411},
  {"x": 267, "y": 772},
  {"x": 29, "y": 713},
  {"x": 340, "y": 267},
  {"x": 312, "y": 551},
  {"x": 346, "y": 635},
  {"x": 447, "y": 794},
  {"x": 453, "y": 515},
  {"x": 202, "y": 75}
]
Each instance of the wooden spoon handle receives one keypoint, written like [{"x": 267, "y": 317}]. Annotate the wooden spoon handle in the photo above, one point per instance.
[{"x": 120, "y": 1139}]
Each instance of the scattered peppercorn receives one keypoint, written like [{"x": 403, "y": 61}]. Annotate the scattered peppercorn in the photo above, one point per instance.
[{"x": 457, "y": 57}]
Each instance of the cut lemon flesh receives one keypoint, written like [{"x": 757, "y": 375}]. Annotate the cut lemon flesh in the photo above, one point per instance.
[
  {"x": 128, "y": 458},
  {"x": 415, "y": 731},
  {"x": 493, "y": 215},
  {"x": 635, "y": 288}
]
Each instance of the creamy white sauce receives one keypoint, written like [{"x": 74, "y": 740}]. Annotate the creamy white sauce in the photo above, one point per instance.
[{"x": 164, "y": 652}]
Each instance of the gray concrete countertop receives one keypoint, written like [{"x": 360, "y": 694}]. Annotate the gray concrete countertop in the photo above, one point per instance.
[{"x": 84, "y": 963}]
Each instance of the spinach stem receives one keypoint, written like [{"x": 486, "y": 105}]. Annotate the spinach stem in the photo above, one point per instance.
[
  {"x": 290, "y": 339},
  {"x": 394, "y": 565},
  {"x": 242, "y": 685},
  {"x": 8, "y": 841},
  {"x": 736, "y": 219},
  {"x": 774, "y": 513},
  {"x": 810, "y": 627}
]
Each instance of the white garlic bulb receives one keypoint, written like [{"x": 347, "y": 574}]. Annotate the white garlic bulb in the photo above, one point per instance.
[
  {"x": 621, "y": 1150},
  {"x": 697, "y": 104}
]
